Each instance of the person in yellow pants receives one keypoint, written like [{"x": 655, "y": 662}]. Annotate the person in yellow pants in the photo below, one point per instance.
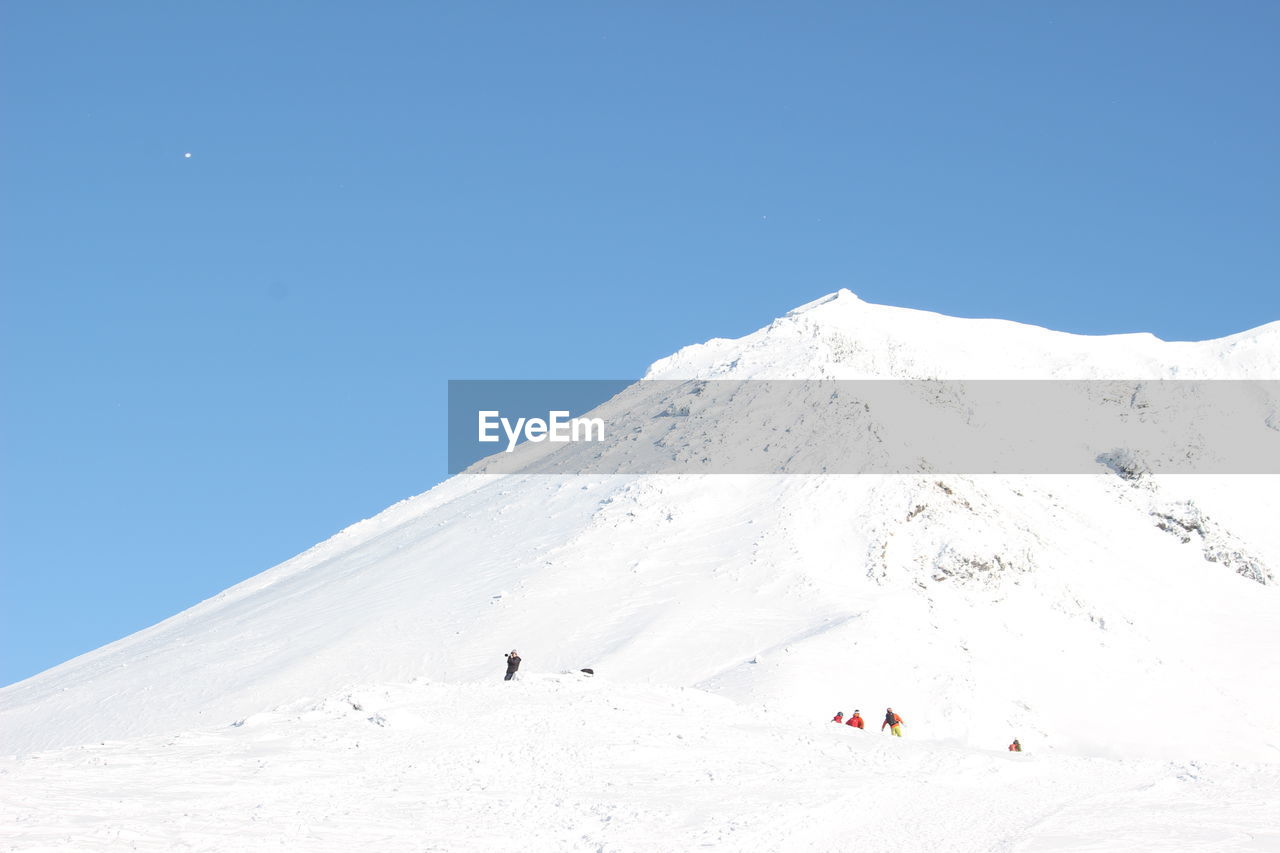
[{"x": 893, "y": 721}]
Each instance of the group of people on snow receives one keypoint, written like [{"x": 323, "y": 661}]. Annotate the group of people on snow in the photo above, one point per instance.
[
  {"x": 892, "y": 720},
  {"x": 855, "y": 720}
]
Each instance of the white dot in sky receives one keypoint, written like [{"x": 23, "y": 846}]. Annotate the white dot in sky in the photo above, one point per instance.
[{"x": 187, "y": 155}]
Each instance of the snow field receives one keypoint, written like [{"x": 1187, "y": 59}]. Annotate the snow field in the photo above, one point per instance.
[
  {"x": 1098, "y": 633},
  {"x": 567, "y": 762}
]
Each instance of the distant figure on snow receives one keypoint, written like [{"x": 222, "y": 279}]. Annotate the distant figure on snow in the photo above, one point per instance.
[
  {"x": 893, "y": 721},
  {"x": 513, "y": 663},
  {"x": 838, "y": 718},
  {"x": 856, "y": 720},
  {"x": 1015, "y": 746}
]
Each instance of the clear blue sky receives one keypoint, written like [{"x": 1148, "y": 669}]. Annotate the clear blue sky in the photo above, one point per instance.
[{"x": 211, "y": 363}]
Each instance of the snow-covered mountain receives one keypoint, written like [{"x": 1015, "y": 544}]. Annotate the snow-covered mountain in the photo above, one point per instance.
[
  {"x": 839, "y": 336},
  {"x": 1100, "y": 615}
]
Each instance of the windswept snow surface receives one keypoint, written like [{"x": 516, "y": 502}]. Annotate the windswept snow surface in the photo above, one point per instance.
[
  {"x": 1123, "y": 627},
  {"x": 572, "y": 763}
]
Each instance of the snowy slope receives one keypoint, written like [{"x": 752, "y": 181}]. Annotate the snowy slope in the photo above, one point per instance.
[
  {"x": 1089, "y": 615},
  {"x": 570, "y": 763}
]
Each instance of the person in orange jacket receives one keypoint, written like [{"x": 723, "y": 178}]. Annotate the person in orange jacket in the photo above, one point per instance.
[
  {"x": 856, "y": 720},
  {"x": 893, "y": 721},
  {"x": 1015, "y": 746},
  {"x": 838, "y": 718}
]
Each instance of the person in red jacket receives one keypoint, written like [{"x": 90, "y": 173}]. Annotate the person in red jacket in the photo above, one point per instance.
[
  {"x": 1015, "y": 746},
  {"x": 838, "y": 718},
  {"x": 856, "y": 720},
  {"x": 893, "y": 721}
]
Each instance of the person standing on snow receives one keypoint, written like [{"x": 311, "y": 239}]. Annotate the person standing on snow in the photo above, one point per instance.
[
  {"x": 856, "y": 720},
  {"x": 1015, "y": 746},
  {"x": 513, "y": 663},
  {"x": 893, "y": 721},
  {"x": 838, "y": 718}
]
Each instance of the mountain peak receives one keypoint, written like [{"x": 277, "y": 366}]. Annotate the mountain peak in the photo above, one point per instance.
[
  {"x": 844, "y": 295},
  {"x": 841, "y": 336}
]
